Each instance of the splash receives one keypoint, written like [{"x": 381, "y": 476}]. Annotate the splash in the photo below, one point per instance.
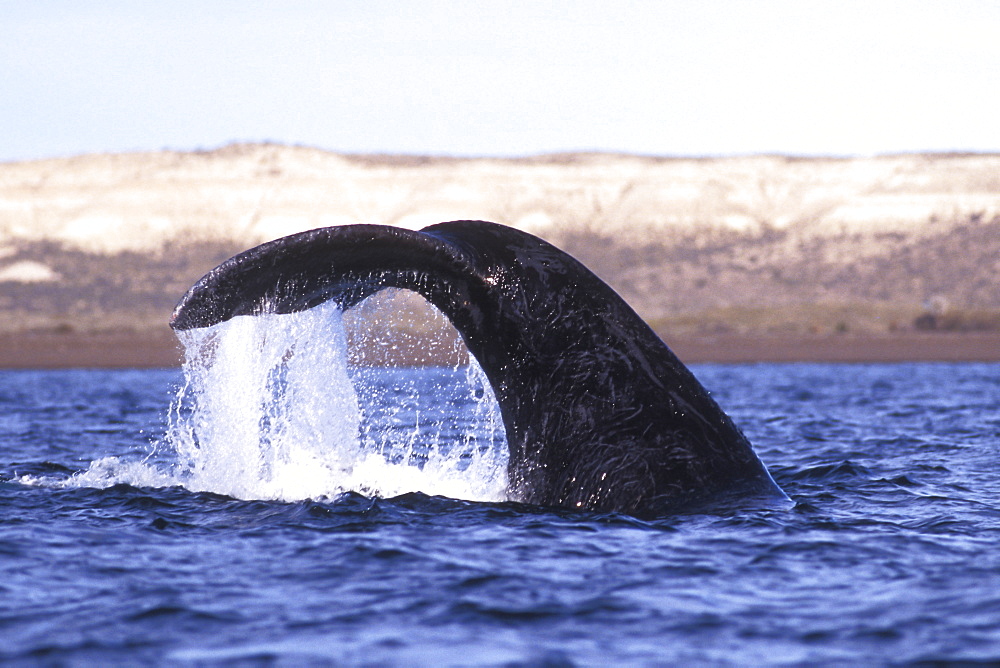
[
  {"x": 268, "y": 409},
  {"x": 272, "y": 407}
]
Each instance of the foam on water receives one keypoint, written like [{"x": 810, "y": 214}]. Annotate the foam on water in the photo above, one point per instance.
[{"x": 270, "y": 409}]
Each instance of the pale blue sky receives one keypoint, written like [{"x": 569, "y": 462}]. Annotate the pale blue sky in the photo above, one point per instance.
[{"x": 845, "y": 77}]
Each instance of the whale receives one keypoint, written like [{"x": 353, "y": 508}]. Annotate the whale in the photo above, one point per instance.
[{"x": 599, "y": 413}]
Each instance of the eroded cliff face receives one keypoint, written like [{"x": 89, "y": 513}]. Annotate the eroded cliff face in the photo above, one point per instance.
[{"x": 748, "y": 242}]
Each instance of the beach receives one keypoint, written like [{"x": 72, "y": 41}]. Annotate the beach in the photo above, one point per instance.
[{"x": 51, "y": 350}]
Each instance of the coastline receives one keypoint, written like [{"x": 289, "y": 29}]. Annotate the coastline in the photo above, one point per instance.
[
  {"x": 154, "y": 349},
  {"x": 732, "y": 259},
  {"x": 898, "y": 347}
]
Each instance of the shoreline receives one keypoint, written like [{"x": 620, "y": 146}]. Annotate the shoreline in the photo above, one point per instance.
[
  {"x": 156, "y": 349},
  {"x": 840, "y": 348}
]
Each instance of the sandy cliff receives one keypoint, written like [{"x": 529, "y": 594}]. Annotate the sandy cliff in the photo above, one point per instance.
[
  {"x": 744, "y": 244},
  {"x": 251, "y": 193}
]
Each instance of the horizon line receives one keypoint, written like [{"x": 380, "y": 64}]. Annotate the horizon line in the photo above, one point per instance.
[{"x": 541, "y": 156}]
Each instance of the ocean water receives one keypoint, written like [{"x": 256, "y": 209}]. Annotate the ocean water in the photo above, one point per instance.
[{"x": 257, "y": 511}]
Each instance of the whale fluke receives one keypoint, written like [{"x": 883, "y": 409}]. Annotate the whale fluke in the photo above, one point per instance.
[{"x": 599, "y": 413}]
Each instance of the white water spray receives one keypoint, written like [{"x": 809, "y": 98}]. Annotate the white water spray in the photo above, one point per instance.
[
  {"x": 268, "y": 409},
  {"x": 272, "y": 409}
]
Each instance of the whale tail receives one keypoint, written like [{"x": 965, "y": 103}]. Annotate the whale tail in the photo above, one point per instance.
[{"x": 599, "y": 413}]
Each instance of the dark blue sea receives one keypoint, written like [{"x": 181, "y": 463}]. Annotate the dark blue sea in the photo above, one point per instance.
[{"x": 142, "y": 523}]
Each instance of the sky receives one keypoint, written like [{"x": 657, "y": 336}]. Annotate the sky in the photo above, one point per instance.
[{"x": 477, "y": 78}]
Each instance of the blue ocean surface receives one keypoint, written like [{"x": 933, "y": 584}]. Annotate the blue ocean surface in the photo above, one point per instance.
[{"x": 128, "y": 536}]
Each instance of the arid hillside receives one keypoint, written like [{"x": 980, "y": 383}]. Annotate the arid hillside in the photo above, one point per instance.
[{"x": 750, "y": 245}]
